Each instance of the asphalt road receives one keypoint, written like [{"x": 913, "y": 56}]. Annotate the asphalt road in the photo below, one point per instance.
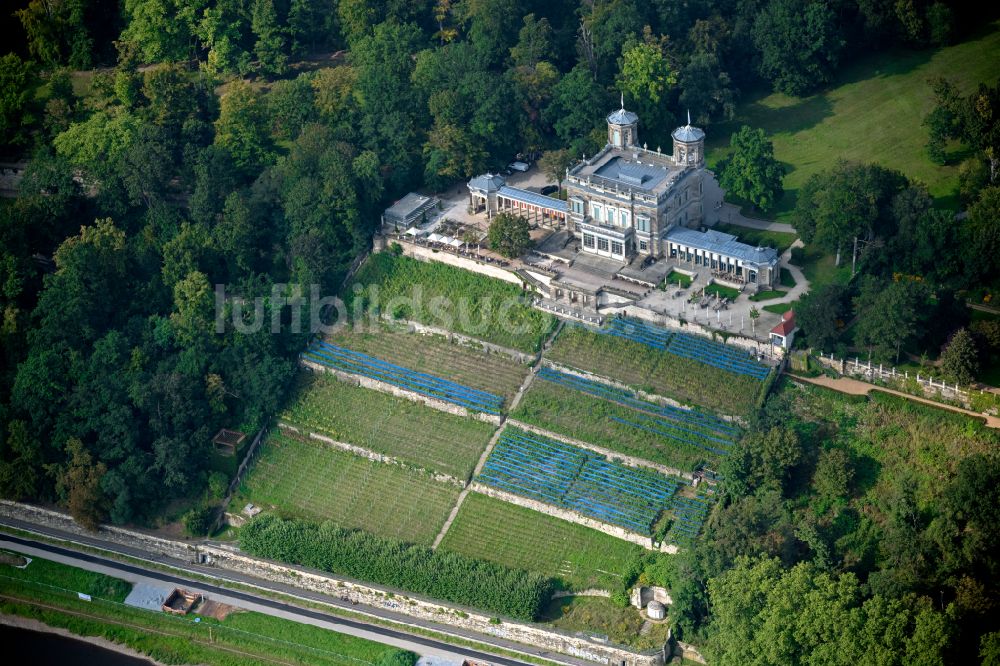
[{"x": 419, "y": 644}]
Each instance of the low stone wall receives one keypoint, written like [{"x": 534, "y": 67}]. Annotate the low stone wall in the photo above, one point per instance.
[
  {"x": 750, "y": 344},
  {"x": 384, "y": 387},
  {"x": 374, "y": 456},
  {"x": 648, "y": 397},
  {"x": 231, "y": 559},
  {"x": 153, "y": 545},
  {"x": 573, "y": 517},
  {"x": 614, "y": 456}
]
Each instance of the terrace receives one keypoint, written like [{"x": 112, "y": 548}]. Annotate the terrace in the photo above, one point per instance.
[
  {"x": 556, "y": 473},
  {"x": 703, "y": 424},
  {"x": 421, "y": 383},
  {"x": 693, "y": 347}
]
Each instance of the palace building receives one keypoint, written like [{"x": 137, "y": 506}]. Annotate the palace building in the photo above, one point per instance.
[
  {"x": 623, "y": 200},
  {"x": 629, "y": 202}
]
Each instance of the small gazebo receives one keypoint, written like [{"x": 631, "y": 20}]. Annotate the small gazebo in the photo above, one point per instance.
[{"x": 483, "y": 192}]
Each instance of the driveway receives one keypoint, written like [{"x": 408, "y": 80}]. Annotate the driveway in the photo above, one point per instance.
[{"x": 717, "y": 210}]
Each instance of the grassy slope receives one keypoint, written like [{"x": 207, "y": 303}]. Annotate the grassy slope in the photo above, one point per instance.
[
  {"x": 452, "y": 298},
  {"x": 414, "y": 433},
  {"x": 760, "y": 237},
  {"x": 581, "y": 557},
  {"x": 307, "y": 479},
  {"x": 881, "y": 99}
]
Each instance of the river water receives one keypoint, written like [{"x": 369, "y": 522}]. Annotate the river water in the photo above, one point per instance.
[{"x": 42, "y": 649}]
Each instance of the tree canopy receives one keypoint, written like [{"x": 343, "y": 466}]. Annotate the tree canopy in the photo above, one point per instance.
[{"x": 751, "y": 171}]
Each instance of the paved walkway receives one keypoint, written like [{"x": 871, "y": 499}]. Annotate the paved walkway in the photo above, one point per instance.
[
  {"x": 717, "y": 210},
  {"x": 801, "y": 283},
  {"x": 857, "y": 387}
]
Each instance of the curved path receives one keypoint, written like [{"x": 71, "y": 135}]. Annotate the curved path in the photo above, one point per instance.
[
  {"x": 717, "y": 210},
  {"x": 801, "y": 283},
  {"x": 857, "y": 387}
]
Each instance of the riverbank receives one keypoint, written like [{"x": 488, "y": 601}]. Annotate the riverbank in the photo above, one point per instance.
[{"x": 27, "y": 624}]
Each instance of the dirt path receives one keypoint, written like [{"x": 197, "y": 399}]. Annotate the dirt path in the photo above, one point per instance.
[
  {"x": 496, "y": 435},
  {"x": 856, "y": 387}
]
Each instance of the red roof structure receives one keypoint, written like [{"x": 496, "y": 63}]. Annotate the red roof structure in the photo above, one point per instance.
[{"x": 787, "y": 325}]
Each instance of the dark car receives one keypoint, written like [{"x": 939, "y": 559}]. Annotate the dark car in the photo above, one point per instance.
[{"x": 549, "y": 189}]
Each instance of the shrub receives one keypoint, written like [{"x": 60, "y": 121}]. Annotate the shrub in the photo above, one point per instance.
[
  {"x": 448, "y": 576},
  {"x": 218, "y": 483},
  {"x": 199, "y": 520}
]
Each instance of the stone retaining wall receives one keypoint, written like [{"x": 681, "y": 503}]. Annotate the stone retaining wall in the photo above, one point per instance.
[
  {"x": 607, "y": 381},
  {"x": 573, "y": 517},
  {"x": 427, "y": 254},
  {"x": 385, "y": 387},
  {"x": 374, "y": 456},
  {"x": 614, "y": 456},
  {"x": 229, "y": 558},
  {"x": 750, "y": 344}
]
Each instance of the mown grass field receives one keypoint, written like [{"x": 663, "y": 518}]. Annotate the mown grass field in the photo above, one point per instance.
[
  {"x": 435, "y": 355},
  {"x": 779, "y": 240},
  {"x": 45, "y": 591},
  {"x": 414, "y": 433},
  {"x": 307, "y": 479},
  {"x": 874, "y": 113},
  {"x": 447, "y": 297},
  {"x": 587, "y": 418},
  {"x": 654, "y": 371},
  {"x": 580, "y": 557}
]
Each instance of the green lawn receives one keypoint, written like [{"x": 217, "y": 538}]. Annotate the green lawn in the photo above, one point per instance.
[
  {"x": 48, "y": 594},
  {"x": 780, "y": 308},
  {"x": 874, "y": 114},
  {"x": 417, "y": 434},
  {"x": 820, "y": 268},
  {"x": 491, "y": 529},
  {"x": 786, "y": 279},
  {"x": 77, "y": 580},
  {"x": 723, "y": 291},
  {"x": 307, "y": 479},
  {"x": 779, "y": 240},
  {"x": 435, "y": 355},
  {"x": 451, "y": 298},
  {"x": 654, "y": 371},
  {"x": 675, "y": 277}
]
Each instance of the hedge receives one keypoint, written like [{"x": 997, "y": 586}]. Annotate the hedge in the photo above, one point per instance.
[{"x": 364, "y": 556}]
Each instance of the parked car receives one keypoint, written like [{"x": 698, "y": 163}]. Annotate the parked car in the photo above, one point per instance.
[
  {"x": 519, "y": 166},
  {"x": 549, "y": 189}
]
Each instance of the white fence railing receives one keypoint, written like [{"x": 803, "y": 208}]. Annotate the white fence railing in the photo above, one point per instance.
[{"x": 872, "y": 372}]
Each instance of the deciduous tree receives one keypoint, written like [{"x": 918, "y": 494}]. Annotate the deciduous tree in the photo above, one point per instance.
[
  {"x": 751, "y": 171},
  {"x": 509, "y": 235}
]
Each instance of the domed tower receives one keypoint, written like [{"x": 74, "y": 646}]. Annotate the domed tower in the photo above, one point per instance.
[
  {"x": 689, "y": 145},
  {"x": 623, "y": 127}
]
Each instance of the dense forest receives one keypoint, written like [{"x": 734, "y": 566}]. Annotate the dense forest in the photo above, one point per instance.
[
  {"x": 177, "y": 147},
  {"x": 853, "y": 531}
]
